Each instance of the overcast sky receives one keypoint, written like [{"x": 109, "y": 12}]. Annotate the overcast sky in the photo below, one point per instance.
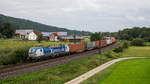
[{"x": 89, "y": 15}]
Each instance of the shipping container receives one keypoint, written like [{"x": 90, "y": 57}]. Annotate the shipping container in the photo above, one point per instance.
[
  {"x": 97, "y": 44},
  {"x": 94, "y": 45},
  {"x": 90, "y": 45},
  {"x": 76, "y": 47},
  {"x": 109, "y": 41},
  {"x": 103, "y": 43}
]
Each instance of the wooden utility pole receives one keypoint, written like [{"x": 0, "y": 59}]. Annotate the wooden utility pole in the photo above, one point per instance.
[{"x": 99, "y": 42}]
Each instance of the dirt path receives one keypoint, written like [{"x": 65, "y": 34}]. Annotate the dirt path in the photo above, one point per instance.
[{"x": 96, "y": 70}]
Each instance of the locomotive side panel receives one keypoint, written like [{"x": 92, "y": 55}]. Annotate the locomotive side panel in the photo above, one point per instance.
[{"x": 58, "y": 49}]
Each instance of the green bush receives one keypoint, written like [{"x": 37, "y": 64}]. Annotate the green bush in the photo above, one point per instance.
[
  {"x": 137, "y": 42},
  {"x": 108, "y": 54},
  {"x": 118, "y": 49},
  {"x": 121, "y": 47}
]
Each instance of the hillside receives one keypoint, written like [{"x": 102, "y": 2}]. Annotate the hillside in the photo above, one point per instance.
[{"x": 27, "y": 24}]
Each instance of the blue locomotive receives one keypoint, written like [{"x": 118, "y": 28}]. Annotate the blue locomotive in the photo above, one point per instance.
[{"x": 37, "y": 52}]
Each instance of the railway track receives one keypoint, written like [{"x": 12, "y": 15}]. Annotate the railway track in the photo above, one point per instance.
[{"x": 12, "y": 71}]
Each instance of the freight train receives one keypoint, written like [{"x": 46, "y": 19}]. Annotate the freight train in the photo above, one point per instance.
[{"x": 54, "y": 51}]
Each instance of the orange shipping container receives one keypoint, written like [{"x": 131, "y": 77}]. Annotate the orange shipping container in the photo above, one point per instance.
[
  {"x": 97, "y": 43},
  {"x": 102, "y": 43},
  {"x": 76, "y": 47}
]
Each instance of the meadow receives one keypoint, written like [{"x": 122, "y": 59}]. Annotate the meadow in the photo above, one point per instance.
[
  {"x": 126, "y": 72},
  {"x": 135, "y": 71},
  {"x": 137, "y": 51}
]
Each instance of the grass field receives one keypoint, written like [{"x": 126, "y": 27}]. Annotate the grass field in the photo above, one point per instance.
[
  {"x": 126, "y": 72},
  {"x": 134, "y": 71},
  {"x": 147, "y": 43},
  {"x": 59, "y": 74},
  {"x": 137, "y": 51}
]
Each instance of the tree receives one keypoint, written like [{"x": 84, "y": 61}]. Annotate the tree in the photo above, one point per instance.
[
  {"x": 96, "y": 36},
  {"x": 1, "y": 35},
  {"x": 39, "y": 38},
  {"x": 125, "y": 44},
  {"x": 137, "y": 42},
  {"x": 6, "y": 30}
]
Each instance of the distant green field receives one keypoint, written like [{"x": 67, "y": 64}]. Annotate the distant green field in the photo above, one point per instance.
[
  {"x": 14, "y": 44},
  {"x": 137, "y": 51},
  {"x": 134, "y": 71}
]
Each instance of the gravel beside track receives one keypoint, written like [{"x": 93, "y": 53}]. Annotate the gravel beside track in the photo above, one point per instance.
[{"x": 21, "y": 69}]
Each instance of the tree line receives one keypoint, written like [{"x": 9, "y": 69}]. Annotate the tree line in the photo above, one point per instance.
[
  {"x": 133, "y": 33},
  {"x": 126, "y": 34}
]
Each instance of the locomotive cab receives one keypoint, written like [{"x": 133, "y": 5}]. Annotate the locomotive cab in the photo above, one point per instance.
[{"x": 36, "y": 52}]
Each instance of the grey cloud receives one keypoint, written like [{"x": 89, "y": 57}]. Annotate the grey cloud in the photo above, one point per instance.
[{"x": 91, "y": 15}]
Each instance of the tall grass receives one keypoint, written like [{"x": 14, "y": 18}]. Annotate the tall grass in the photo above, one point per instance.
[{"x": 13, "y": 56}]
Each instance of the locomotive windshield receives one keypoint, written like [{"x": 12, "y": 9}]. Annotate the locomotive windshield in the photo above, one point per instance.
[{"x": 31, "y": 50}]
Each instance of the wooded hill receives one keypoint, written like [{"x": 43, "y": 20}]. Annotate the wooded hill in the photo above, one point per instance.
[
  {"x": 27, "y": 24},
  {"x": 132, "y": 33}
]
